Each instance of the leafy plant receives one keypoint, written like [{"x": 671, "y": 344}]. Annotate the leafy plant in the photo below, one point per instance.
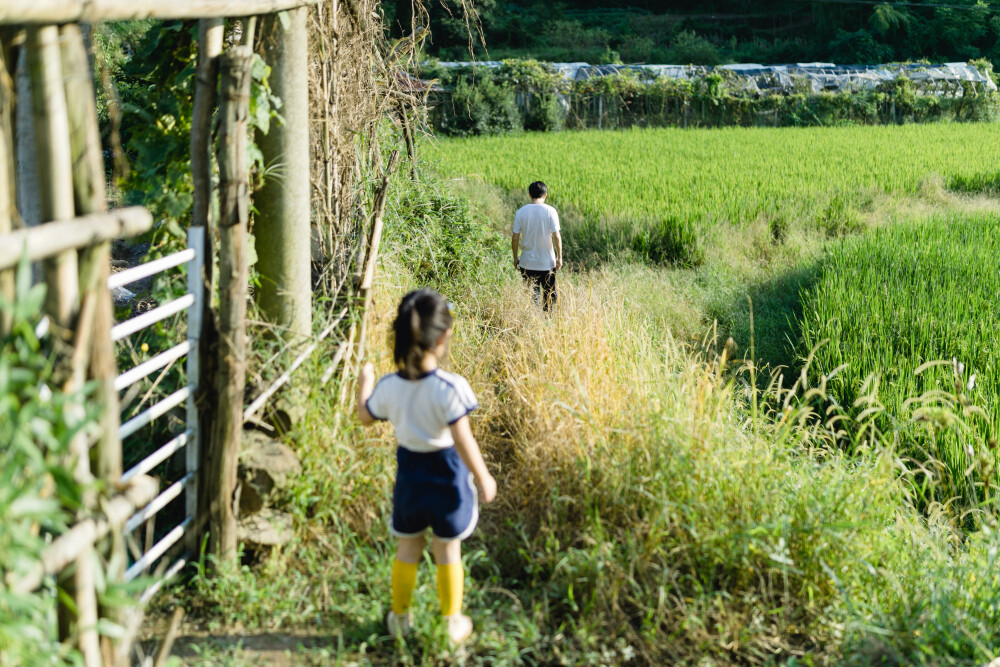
[{"x": 37, "y": 487}]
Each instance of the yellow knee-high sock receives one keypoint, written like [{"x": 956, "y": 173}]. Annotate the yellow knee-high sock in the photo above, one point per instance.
[
  {"x": 404, "y": 580},
  {"x": 451, "y": 585}
]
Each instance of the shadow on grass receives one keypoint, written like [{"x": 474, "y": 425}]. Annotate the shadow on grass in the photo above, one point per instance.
[{"x": 777, "y": 317}]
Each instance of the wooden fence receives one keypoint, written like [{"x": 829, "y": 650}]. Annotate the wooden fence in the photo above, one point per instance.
[{"x": 74, "y": 247}]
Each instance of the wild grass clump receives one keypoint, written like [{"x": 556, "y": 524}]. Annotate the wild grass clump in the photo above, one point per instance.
[
  {"x": 644, "y": 501},
  {"x": 976, "y": 183},
  {"x": 891, "y": 303}
]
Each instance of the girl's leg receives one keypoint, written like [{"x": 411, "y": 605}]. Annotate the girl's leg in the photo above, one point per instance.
[
  {"x": 450, "y": 576},
  {"x": 404, "y": 572}
]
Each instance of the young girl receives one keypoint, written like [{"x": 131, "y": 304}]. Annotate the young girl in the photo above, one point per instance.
[{"x": 429, "y": 410}]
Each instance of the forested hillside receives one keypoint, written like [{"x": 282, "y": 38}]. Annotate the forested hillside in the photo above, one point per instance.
[{"x": 715, "y": 32}]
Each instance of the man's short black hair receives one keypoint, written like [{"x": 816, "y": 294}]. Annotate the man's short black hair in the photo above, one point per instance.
[{"x": 537, "y": 190}]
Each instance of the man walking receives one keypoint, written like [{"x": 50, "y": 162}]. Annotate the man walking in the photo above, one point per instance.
[{"x": 536, "y": 235}]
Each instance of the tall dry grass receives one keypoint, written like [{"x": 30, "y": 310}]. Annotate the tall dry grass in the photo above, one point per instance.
[{"x": 639, "y": 497}]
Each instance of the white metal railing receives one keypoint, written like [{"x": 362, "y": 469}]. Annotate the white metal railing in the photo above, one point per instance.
[{"x": 191, "y": 302}]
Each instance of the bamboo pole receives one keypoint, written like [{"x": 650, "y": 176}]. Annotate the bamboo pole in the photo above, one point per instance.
[
  {"x": 7, "y": 177},
  {"x": 67, "y": 548},
  {"x": 85, "y": 582},
  {"x": 163, "y": 652},
  {"x": 61, "y": 236},
  {"x": 55, "y": 168},
  {"x": 94, "y": 356},
  {"x": 93, "y": 11},
  {"x": 364, "y": 278},
  {"x": 55, "y": 178},
  {"x": 230, "y": 378},
  {"x": 282, "y": 223},
  {"x": 93, "y": 332},
  {"x": 210, "y": 32}
]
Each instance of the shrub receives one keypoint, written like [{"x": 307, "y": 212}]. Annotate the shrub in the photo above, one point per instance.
[
  {"x": 546, "y": 114},
  {"x": 838, "y": 218},
  {"x": 669, "y": 241},
  {"x": 482, "y": 107}
]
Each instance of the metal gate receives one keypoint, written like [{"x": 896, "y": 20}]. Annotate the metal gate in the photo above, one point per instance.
[{"x": 167, "y": 537}]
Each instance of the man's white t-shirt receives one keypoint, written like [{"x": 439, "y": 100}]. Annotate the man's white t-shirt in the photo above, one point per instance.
[
  {"x": 536, "y": 223},
  {"x": 422, "y": 409}
]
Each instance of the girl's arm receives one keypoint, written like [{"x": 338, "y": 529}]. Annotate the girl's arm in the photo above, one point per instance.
[
  {"x": 366, "y": 384},
  {"x": 468, "y": 449}
]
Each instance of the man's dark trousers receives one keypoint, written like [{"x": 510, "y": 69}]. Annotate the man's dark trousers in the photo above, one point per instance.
[{"x": 544, "y": 282}]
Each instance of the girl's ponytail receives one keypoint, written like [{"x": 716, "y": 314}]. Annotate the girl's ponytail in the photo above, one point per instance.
[{"x": 421, "y": 320}]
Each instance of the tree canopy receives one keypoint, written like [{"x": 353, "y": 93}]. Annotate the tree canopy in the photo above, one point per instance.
[{"x": 715, "y": 31}]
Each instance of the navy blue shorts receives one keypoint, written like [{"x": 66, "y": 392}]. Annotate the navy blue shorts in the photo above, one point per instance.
[{"x": 433, "y": 490}]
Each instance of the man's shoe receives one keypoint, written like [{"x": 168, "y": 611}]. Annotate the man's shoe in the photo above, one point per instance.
[
  {"x": 398, "y": 625},
  {"x": 459, "y": 627}
]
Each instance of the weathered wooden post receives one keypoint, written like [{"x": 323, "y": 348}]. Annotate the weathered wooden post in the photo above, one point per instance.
[
  {"x": 55, "y": 176},
  {"x": 281, "y": 226},
  {"x": 210, "y": 34},
  {"x": 219, "y": 481},
  {"x": 55, "y": 169}
]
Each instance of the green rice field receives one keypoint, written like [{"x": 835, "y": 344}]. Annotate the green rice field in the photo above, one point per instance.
[
  {"x": 892, "y": 302},
  {"x": 728, "y": 175},
  {"x": 660, "y": 194}
]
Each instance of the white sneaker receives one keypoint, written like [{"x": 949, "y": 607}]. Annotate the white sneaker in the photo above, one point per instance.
[
  {"x": 398, "y": 625},
  {"x": 459, "y": 627}
]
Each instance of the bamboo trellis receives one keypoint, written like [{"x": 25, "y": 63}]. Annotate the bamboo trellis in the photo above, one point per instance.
[
  {"x": 75, "y": 248},
  {"x": 74, "y": 244}
]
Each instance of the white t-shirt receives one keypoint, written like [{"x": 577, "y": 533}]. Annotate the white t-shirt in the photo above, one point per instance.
[
  {"x": 422, "y": 410},
  {"x": 536, "y": 223}
]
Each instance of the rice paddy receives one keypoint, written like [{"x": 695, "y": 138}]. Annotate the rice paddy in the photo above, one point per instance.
[
  {"x": 659, "y": 194},
  {"x": 732, "y": 175},
  {"x": 892, "y": 302}
]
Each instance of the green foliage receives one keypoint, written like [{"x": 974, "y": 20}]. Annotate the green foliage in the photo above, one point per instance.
[
  {"x": 157, "y": 95},
  {"x": 157, "y": 88},
  {"x": 449, "y": 243},
  {"x": 859, "y": 46},
  {"x": 688, "y": 47},
  {"x": 114, "y": 45},
  {"x": 654, "y": 31},
  {"x": 37, "y": 489},
  {"x": 838, "y": 219},
  {"x": 545, "y": 115}
]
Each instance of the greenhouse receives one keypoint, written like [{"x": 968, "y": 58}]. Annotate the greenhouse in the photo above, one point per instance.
[{"x": 754, "y": 79}]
